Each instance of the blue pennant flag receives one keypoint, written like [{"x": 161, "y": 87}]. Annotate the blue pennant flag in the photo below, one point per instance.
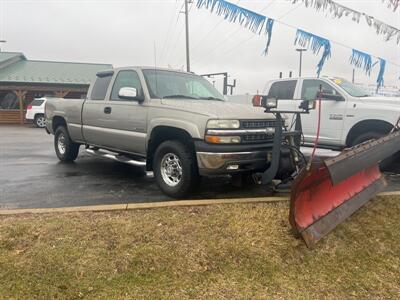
[
  {"x": 314, "y": 43},
  {"x": 234, "y": 13},
  {"x": 361, "y": 60},
  {"x": 268, "y": 32},
  {"x": 379, "y": 80}
]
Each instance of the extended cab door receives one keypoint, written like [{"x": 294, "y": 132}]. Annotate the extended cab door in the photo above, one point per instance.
[
  {"x": 127, "y": 118},
  {"x": 94, "y": 117},
  {"x": 333, "y": 113}
]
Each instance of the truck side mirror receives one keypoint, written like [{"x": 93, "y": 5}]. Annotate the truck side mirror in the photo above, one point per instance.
[
  {"x": 128, "y": 93},
  {"x": 264, "y": 101},
  {"x": 307, "y": 105}
]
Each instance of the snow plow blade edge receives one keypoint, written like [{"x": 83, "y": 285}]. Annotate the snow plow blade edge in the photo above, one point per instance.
[{"x": 330, "y": 191}]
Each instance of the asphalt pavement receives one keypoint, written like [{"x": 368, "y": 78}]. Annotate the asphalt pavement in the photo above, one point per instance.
[{"x": 31, "y": 176}]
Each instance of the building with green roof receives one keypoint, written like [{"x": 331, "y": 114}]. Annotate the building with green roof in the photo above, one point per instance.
[{"x": 22, "y": 80}]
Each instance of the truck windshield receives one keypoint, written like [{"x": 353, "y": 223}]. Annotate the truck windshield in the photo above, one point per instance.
[
  {"x": 350, "y": 88},
  {"x": 177, "y": 85}
]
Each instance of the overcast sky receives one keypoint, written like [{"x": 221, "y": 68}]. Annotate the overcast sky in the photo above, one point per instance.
[{"x": 126, "y": 32}]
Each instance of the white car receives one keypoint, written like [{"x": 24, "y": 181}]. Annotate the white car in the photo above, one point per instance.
[
  {"x": 349, "y": 115},
  {"x": 35, "y": 112}
]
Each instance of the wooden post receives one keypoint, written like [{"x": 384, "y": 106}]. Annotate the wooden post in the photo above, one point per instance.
[
  {"x": 61, "y": 93},
  {"x": 21, "y": 97}
]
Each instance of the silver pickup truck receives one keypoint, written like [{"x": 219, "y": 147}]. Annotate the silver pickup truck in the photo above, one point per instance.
[{"x": 173, "y": 123}]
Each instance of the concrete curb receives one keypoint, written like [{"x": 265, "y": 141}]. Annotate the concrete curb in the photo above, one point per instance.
[
  {"x": 151, "y": 205},
  {"x": 394, "y": 193}
]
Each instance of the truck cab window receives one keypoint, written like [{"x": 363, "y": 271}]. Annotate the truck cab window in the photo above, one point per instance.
[
  {"x": 282, "y": 89},
  {"x": 100, "y": 87},
  {"x": 310, "y": 89},
  {"x": 126, "y": 78}
]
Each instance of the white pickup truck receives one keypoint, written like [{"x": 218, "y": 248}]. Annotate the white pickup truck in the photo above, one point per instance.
[{"x": 349, "y": 115}]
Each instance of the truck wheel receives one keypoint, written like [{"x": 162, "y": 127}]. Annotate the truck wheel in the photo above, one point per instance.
[
  {"x": 175, "y": 169},
  {"x": 40, "y": 121},
  {"x": 66, "y": 149},
  {"x": 385, "y": 164},
  {"x": 366, "y": 137}
]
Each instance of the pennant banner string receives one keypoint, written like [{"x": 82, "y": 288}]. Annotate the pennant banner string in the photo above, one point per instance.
[
  {"x": 392, "y": 3},
  {"x": 337, "y": 10},
  {"x": 201, "y": 3},
  {"x": 261, "y": 24}
]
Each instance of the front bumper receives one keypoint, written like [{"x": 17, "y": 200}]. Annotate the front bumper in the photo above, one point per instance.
[{"x": 232, "y": 159}]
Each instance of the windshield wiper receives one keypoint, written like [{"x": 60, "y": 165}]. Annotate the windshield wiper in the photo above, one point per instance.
[
  {"x": 211, "y": 98},
  {"x": 179, "y": 96}
]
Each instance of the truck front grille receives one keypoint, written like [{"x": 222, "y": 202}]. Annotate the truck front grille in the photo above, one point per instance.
[
  {"x": 256, "y": 124},
  {"x": 256, "y": 138}
]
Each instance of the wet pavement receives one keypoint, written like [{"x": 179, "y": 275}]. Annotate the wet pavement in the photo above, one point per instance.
[{"x": 32, "y": 177}]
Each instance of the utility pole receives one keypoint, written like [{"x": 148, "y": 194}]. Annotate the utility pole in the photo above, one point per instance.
[
  {"x": 187, "y": 34},
  {"x": 300, "y": 50}
]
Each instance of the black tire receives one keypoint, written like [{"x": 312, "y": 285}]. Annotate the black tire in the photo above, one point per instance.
[
  {"x": 67, "y": 151},
  {"x": 39, "y": 121},
  {"x": 385, "y": 164},
  {"x": 188, "y": 172}
]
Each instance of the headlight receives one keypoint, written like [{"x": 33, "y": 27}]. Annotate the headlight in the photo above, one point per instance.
[
  {"x": 271, "y": 103},
  {"x": 214, "y": 139},
  {"x": 223, "y": 124}
]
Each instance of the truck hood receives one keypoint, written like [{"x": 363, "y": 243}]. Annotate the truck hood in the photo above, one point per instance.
[
  {"x": 392, "y": 101},
  {"x": 217, "y": 109}
]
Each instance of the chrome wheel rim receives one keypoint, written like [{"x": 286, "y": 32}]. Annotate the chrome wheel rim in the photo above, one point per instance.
[
  {"x": 61, "y": 143},
  {"x": 41, "y": 122},
  {"x": 171, "y": 169}
]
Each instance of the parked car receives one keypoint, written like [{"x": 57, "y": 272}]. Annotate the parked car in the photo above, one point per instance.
[
  {"x": 174, "y": 123},
  {"x": 35, "y": 112},
  {"x": 349, "y": 115}
]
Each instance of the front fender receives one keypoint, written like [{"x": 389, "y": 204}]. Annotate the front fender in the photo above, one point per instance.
[{"x": 194, "y": 131}]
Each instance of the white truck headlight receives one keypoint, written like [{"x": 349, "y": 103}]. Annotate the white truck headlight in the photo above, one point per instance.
[
  {"x": 223, "y": 124},
  {"x": 271, "y": 103}
]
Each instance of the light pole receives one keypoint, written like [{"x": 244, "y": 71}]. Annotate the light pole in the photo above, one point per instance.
[
  {"x": 2, "y": 41},
  {"x": 300, "y": 50},
  {"x": 187, "y": 34}
]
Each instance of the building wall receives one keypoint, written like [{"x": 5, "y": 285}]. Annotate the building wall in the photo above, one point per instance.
[{"x": 12, "y": 113}]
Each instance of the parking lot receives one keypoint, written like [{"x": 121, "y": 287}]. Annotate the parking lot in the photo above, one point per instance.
[{"x": 32, "y": 177}]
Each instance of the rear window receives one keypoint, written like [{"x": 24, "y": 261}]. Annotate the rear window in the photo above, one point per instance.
[
  {"x": 100, "y": 87},
  {"x": 282, "y": 89},
  {"x": 37, "y": 102}
]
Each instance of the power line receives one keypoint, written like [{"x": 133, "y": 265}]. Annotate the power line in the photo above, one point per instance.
[
  {"x": 234, "y": 32},
  {"x": 168, "y": 33},
  {"x": 209, "y": 32},
  {"x": 253, "y": 36},
  {"x": 173, "y": 45},
  {"x": 289, "y": 12}
]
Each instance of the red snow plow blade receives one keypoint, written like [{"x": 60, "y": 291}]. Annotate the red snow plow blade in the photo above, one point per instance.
[{"x": 327, "y": 193}]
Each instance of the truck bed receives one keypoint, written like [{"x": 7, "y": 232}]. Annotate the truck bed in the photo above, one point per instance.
[{"x": 70, "y": 110}]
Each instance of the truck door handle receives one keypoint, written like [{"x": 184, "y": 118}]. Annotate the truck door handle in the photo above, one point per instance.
[{"x": 107, "y": 110}]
